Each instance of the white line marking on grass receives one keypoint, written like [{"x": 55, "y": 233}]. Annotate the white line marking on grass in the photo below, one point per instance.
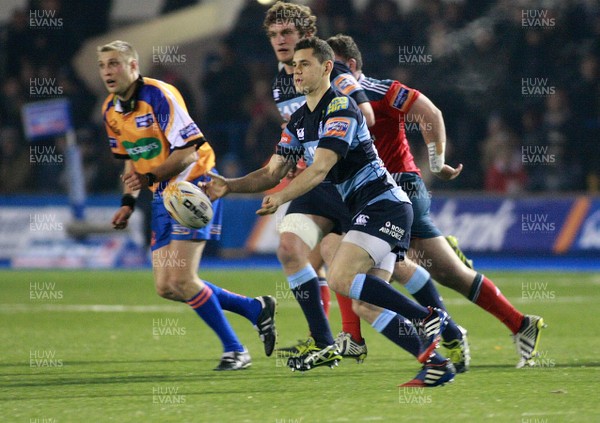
[
  {"x": 179, "y": 308},
  {"x": 106, "y": 308},
  {"x": 95, "y": 308}
]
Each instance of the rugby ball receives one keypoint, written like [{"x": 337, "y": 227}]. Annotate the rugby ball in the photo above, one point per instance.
[{"x": 188, "y": 204}]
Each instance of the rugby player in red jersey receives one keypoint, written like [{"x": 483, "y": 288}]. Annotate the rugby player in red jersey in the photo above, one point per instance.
[{"x": 392, "y": 102}]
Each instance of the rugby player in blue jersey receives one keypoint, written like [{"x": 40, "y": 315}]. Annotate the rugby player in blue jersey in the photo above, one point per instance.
[
  {"x": 320, "y": 211},
  {"x": 330, "y": 133},
  {"x": 392, "y": 102}
]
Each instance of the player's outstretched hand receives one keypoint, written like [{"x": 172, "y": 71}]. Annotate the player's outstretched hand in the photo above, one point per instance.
[
  {"x": 215, "y": 188},
  {"x": 270, "y": 204},
  {"x": 448, "y": 172},
  {"x": 121, "y": 217}
]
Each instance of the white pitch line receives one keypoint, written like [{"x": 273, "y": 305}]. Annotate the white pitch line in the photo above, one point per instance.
[
  {"x": 94, "y": 308},
  {"x": 285, "y": 303}
]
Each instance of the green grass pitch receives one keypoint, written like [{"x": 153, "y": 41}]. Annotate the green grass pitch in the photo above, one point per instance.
[{"x": 100, "y": 346}]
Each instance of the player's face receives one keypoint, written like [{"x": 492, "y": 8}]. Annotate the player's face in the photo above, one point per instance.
[
  {"x": 283, "y": 39},
  {"x": 309, "y": 74},
  {"x": 116, "y": 73}
]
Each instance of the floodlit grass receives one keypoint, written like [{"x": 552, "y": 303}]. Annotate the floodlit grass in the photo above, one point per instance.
[{"x": 100, "y": 346}]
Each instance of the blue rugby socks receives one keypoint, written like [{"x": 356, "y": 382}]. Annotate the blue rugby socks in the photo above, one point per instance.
[
  {"x": 305, "y": 286},
  {"x": 206, "y": 305},
  {"x": 422, "y": 288},
  {"x": 244, "y": 306},
  {"x": 376, "y": 291}
]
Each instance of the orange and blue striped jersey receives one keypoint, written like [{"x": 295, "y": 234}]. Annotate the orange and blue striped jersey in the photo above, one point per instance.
[{"x": 155, "y": 122}]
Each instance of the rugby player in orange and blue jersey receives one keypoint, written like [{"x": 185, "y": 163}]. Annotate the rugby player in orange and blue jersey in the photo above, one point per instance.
[{"x": 149, "y": 127}]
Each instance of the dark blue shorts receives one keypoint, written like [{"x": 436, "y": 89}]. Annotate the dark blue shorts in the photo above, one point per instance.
[
  {"x": 387, "y": 220},
  {"x": 166, "y": 229},
  {"x": 413, "y": 185},
  {"x": 324, "y": 200}
]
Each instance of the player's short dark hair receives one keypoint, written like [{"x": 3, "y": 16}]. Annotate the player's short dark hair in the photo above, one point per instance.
[
  {"x": 297, "y": 14},
  {"x": 321, "y": 49},
  {"x": 345, "y": 47}
]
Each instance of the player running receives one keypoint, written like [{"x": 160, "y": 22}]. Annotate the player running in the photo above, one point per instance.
[
  {"x": 149, "y": 128},
  {"x": 392, "y": 101},
  {"x": 320, "y": 211},
  {"x": 330, "y": 133}
]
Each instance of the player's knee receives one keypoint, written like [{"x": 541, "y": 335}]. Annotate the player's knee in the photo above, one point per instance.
[
  {"x": 162, "y": 289},
  {"x": 339, "y": 279},
  {"x": 287, "y": 252},
  {"x": 173, "y": 287}
]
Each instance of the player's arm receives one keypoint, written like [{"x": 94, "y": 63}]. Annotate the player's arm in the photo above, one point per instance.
[
  {"x": 260, "y": 180},
  {"x": 312, "y": 176},
  {"x": 177, "y": 162},
  {"x": 433, "y": 130},
  {"x": 122, "y": 215},
  {"x": 368, "y": 113}
]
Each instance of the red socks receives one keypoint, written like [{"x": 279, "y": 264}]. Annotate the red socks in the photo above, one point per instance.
[
  {"x": 487, "y": 296},
  {"x": 350, "y": 321},
  {"x": 325, "y": 298}
]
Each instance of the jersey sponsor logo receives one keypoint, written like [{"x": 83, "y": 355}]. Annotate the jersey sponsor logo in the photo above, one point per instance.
[
  {"x": 400, "y": 98},
  {"x": 337, "y": 127},
  {"x": 189, "y": 131},
  {"x": 144, "y": 121},
  {"x": 144, "y": 148},
  {"x": 392, "y": 230},
  {"x": 346, "y": 84},
  {"x": 285, "y": 138},
  {"x": 338, "y": 103},
  {"x": 361, "y": 220},
  {"x": 113, "y": 142}
]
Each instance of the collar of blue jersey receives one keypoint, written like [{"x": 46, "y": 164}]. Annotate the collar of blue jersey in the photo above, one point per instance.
[
  {"x": 128, "y": 106},
  {"x": 320, "y": 107}
]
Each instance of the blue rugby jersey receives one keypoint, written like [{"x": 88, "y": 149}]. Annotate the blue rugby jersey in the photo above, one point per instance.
[
  {"x": 338, "y": 124},
  {"x": 288, "y": 100}
]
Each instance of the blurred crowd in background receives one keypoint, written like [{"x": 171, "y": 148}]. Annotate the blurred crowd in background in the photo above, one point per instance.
[{"x": 519, "y": 90}]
